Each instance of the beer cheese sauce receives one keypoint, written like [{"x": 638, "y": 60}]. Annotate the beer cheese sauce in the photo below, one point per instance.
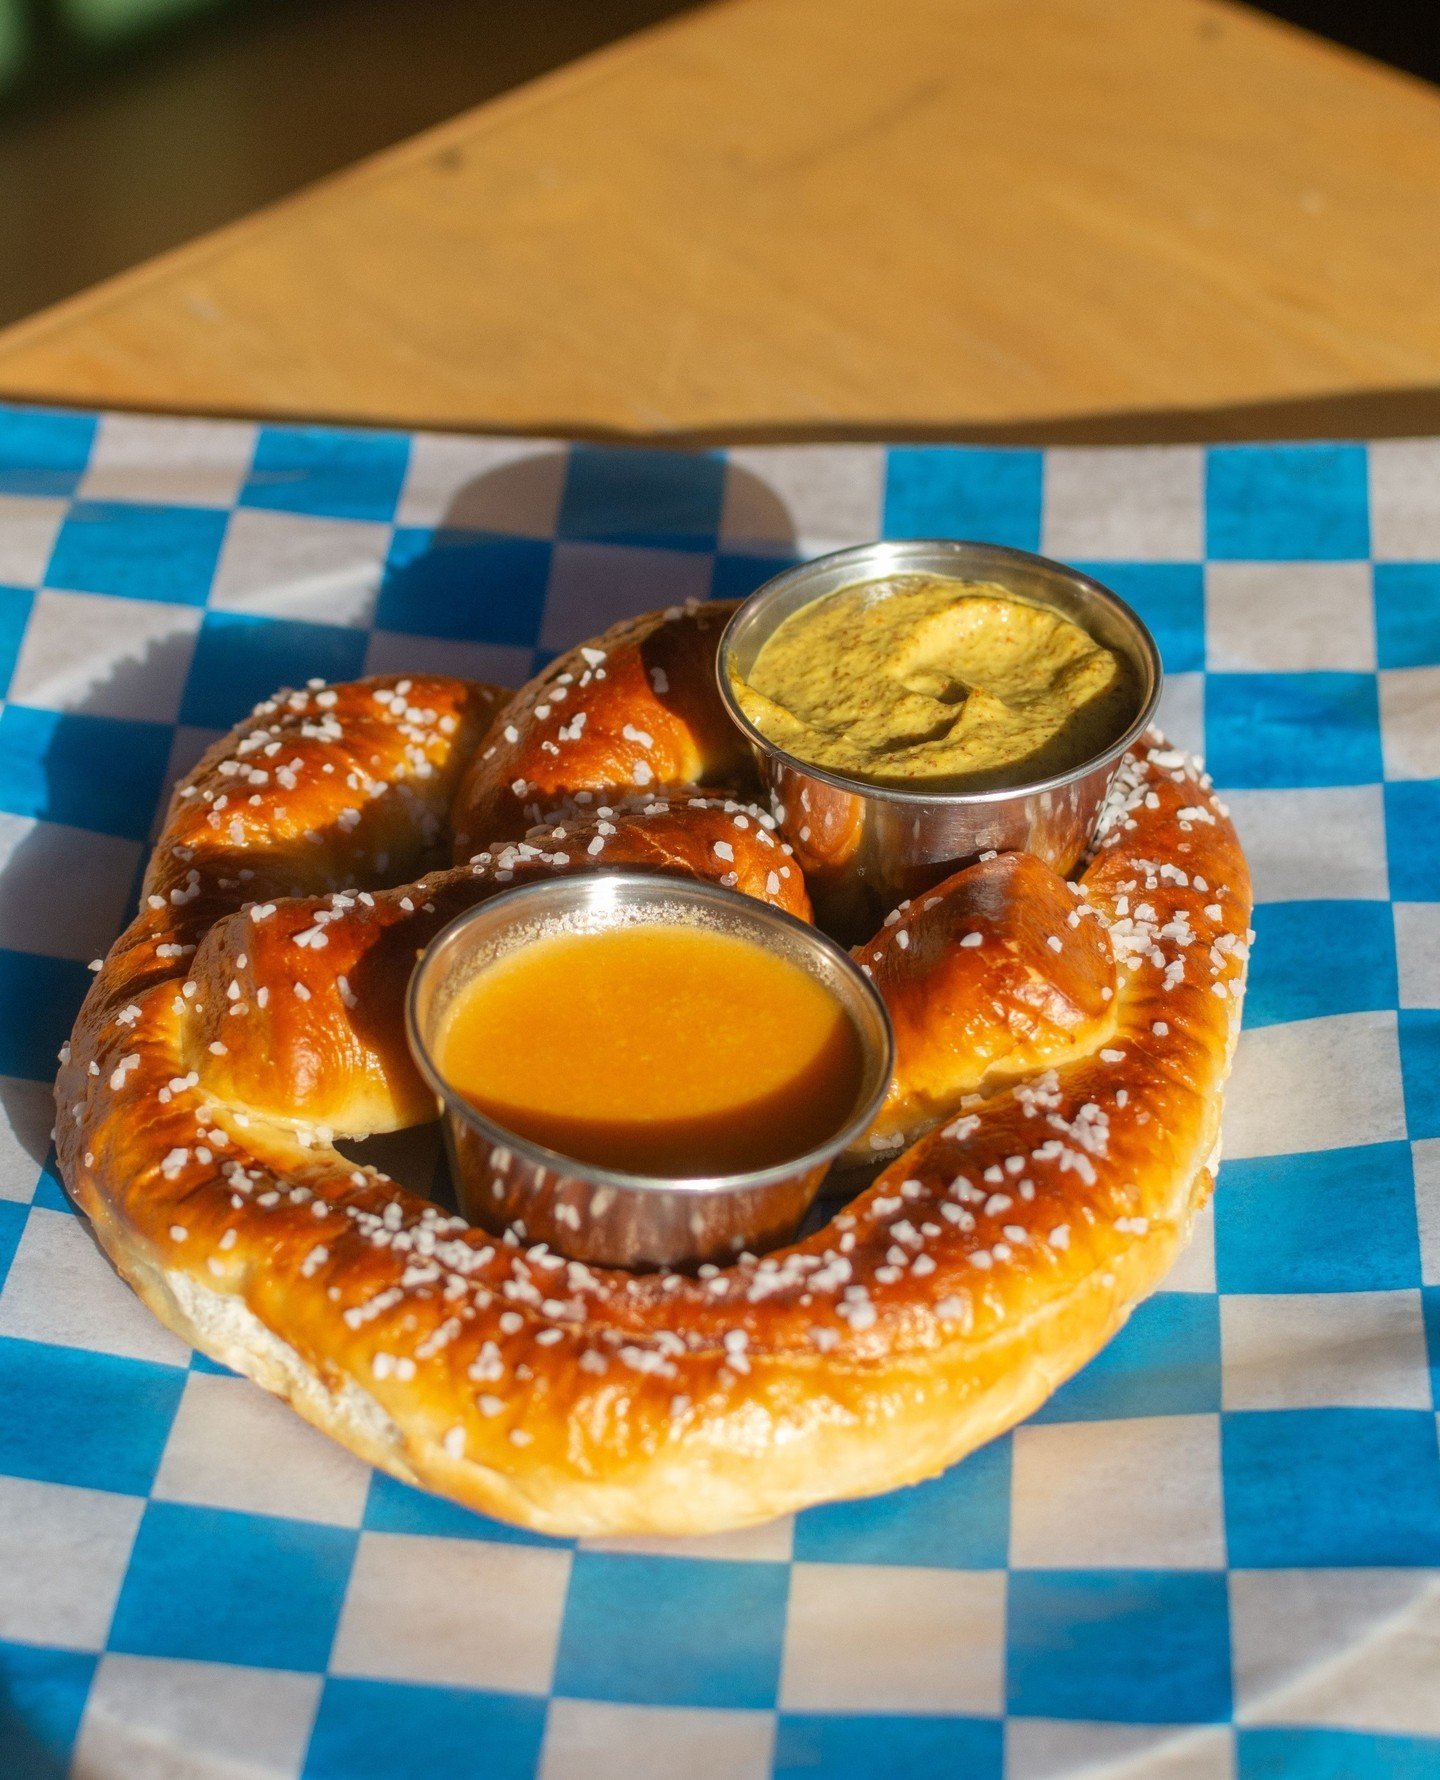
[{"x": 655, "y": 1049}]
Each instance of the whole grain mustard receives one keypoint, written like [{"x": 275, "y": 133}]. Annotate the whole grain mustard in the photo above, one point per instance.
[{"x": 925, "y": 681}]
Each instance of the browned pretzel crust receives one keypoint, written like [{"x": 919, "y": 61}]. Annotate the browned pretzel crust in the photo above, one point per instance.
[{"x": 1074, "y": 1055}]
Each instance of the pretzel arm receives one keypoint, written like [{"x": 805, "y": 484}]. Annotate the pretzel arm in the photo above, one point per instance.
[
  {"x": 296, "y": 1008},
  {"x": 1002, "y": 970},
  {"x": 637, "y": 710}
]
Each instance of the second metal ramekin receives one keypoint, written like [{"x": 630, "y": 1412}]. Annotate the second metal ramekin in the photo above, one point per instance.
[
  {"x": 508, "y": 1183},
  {"x": 865, "y": 848}
]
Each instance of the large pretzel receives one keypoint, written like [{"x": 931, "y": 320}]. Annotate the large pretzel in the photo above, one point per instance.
[{"x": 1062, "y": 1048}]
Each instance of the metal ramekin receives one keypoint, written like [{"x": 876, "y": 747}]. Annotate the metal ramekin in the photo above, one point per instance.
[
  {"x": 864, "y": 848},
  {"x": 506, "y": 1182}
]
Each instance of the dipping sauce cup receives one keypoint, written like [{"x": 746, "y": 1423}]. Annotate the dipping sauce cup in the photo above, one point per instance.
[
  {"x": 505, "y": 1181},
  {"x": 864, "y": 848}
]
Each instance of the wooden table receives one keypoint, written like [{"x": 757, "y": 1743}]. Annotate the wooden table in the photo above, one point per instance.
[{"x": 805, "y": 218}]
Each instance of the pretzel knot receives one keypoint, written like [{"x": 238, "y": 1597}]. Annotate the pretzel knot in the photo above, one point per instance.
[{"x": 1061, "y": 1051}]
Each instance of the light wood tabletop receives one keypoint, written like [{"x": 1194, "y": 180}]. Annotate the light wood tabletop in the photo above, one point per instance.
[{"x": 805, "y": 218}]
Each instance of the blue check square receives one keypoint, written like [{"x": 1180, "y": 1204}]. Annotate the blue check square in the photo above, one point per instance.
[
  {"x": 327, "y": 472},
  {"x": 943, "y": 491},
  {"x": 1294, "y": 1752},
  {"x": 857, "y": 1747},
  {"x": 1165, "y": 1361},
  {"x": 737, "y": 577},
  {"x": 241, "y": 658},
  {"x": 203, "y": 1363},
  {"x": 43, "y": 453},
  {"x": 94, "y": 1421},
  {"x": 42, "y": 1698},
  {"x": 1334, "y": 1221},
  {"x": 1430, "y": 1309},
  {"x": 216, "y": 1586},
  {"x": 1407, "y": 614},
  {"x": 1286, "y": 981},
  {"x": 12, "y": 1224},
  {"x": 39, "y": 999},
  {"x": 385, "y": 1730},
  {"x": 138, "y": 552},
  {"x": 477, "y": 587},
  {"x": 959, "y": 1520},
  {"x": 15, "y": 605},
  {"x": 1138, "y": 1646},
  {"x": 620, "y": 494},
  {"x": 50, "y": 761},
  {"x": 50, "y": 1193},
  {"x": 1170, "y": 597},
  {"x": 1412, "y": 839},
  {"x": 1331, "y": 1487},
  {"x": 1287, "y": 503},
  {"x": 1264, "y": 730},
  {"x": 394, "y": 1507},
  {"x": 665, "y": 1631},
  {"x": 1420, "y": 1068}
]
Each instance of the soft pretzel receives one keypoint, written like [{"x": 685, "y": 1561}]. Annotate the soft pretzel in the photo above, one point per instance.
[{"x": 1062, "y": 1048}]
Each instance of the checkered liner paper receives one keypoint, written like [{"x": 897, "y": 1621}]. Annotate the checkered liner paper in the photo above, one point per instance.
[{"x": 1215, "y": 1552}]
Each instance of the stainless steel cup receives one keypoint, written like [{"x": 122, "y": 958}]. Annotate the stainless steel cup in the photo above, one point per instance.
[
  {"x": 864, "y": 848},
  {"x": 508, "y": 1183}
]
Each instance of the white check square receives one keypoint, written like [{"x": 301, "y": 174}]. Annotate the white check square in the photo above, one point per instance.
[
  {"x": 175, "y": 462},
  {"x": 453, "y": 1612},
  {"x": 1289, "y": 617},
  {"x": 61, "y": 1289},
  {"x": 1181, "y": 715},
  {"x": 1125, "y": 503},
  {"x": 1326, "y": 1350},
  {"x": 594, "y": 1740},
  {"x": 67, "y": 890},
  {"x": 29, "y": 525},
  {"x": 1354, "y": 1649},
  {"x": 512, "y": 486},
  {"x": 807, "y": 498},
  {"x": 1405, "y": 500},
  {"x": 1194, "y": 1270},
  {"x": 1326, "y": 1084},
  {"x": 1314, "y": 844},
  {"x": 1417, "y": 951},
  {"x": 27, "y": 1113},
  {"x": 234, "y": 1446},
  {"x": 772, "y": 1541},
  {"x": 106, "y": 656},
  {"x": 63, "y": 1556},
  {"x": 1094, "y": 1495},
  {"x": 867, "y": 1638},
  {"x": 1425, "y": 1159},
  {"x": 1066, "y": 1748},
  {"x": 290, "y": 565},
  {"x": 1410, "y": 722},
  {"x": 154, "y": 1716}
]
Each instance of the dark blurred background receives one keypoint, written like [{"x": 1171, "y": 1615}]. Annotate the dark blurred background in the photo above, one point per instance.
[{"x": 127, "y": 126}]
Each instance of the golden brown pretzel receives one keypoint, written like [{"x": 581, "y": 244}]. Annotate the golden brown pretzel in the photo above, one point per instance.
[{"x": 1073, "y": 1053}]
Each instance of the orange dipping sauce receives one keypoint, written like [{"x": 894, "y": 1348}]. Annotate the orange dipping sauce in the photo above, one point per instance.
[{"x": 655, "y": 1049}]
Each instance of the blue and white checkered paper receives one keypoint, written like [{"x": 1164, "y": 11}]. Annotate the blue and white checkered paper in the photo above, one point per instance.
[{"x": 1216, "y": 1552}]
